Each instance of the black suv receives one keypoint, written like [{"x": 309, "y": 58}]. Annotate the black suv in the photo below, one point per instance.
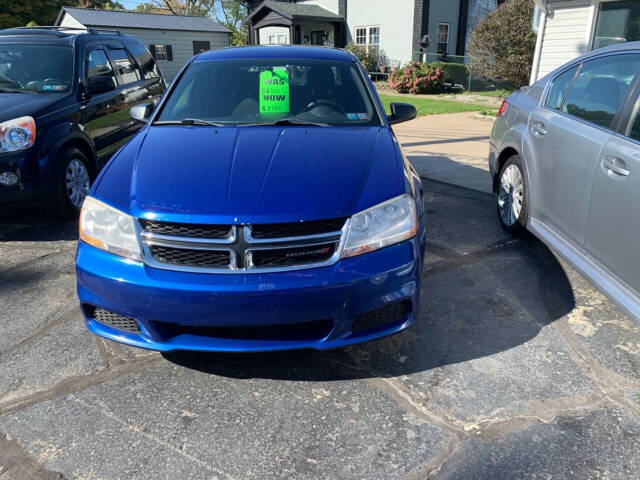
[{"x": 65, "y": 97}]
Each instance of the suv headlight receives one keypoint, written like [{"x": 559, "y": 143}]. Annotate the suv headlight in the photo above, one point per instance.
[
  {"x": 385, "y": 224},
  {"x": 108, "y": 229},
  {"x": 17, "y": 134}
]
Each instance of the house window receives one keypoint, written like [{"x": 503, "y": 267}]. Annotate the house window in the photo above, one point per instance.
[
  {"x": 160, "y": 52},
  {"x": 201, "y": 46},
  {"x": 277, "y": 39},
  {"x": 368, "y": 36},
  {"x": 442, "y": 45},
  {"x": 618, "y": 21}
]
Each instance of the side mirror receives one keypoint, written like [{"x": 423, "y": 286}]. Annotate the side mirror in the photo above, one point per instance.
[
  {"x": 101, "y": 84},
  {"x": 142, "y": 112},
  {"x": 402, "y": 112}
]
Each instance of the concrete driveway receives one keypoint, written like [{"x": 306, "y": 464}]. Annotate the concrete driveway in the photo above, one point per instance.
[{"x": 515, "y": 368}]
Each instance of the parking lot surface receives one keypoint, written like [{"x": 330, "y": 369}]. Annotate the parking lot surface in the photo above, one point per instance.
[{"x": 515, "y": 368}]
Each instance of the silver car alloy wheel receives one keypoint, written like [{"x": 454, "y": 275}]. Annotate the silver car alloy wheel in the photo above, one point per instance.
[
  {"x": 77, "y": 182},
  {"x": 511, "y": 195}
]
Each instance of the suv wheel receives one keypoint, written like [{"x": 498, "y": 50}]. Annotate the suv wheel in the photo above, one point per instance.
[
  {"x": 73, "y": 181},
  {"x": 513, "y": 210}
]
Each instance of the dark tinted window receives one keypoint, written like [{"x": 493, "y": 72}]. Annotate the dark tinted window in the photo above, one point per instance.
[
  {"x": 98, "y": 65},
  {"x": 559, "y": 88},
  {"x": 601, "y": 87},
  {"x": 633, "y": 130},
  {"x": 143, "y": 58},
  {"x": 123, "y": 66}
]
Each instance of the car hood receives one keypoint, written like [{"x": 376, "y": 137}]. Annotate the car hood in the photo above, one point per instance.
[
  {"x": 253, "y": 174},
  {"x": 19, "y": 104}
]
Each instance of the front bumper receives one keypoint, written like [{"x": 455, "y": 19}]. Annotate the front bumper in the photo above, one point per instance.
[{"x": 182, "y": 311}]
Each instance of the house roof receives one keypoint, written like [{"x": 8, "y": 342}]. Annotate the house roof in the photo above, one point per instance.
[
  {"x": 301, "y": 10},
  {"x": 293, "y": 11},
  {"x": 118, "y": 19}
]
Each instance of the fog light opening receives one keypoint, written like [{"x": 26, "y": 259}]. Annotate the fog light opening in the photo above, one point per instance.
[{"x": 9, "y": 179}]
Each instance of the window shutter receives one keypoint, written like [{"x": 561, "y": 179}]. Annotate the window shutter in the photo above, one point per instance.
[
  {"x": 169, "y": 53},
  {"x": 152, "y": 50}
]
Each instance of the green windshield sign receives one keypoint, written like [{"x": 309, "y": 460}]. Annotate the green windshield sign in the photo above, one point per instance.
[{"x": 274, "y": 92}]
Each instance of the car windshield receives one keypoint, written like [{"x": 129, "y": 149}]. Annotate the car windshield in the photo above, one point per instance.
[
  {"x": 267, "y": 92},
  {"x": 35, "y": 68}
]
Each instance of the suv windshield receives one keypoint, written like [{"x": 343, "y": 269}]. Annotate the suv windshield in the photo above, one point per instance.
[
  {"x": 267, "y": 92},
  {"x": 35, "y": 68}
]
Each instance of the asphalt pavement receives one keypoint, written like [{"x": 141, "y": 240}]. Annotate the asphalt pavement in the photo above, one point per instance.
[{"x": 516, "y": 368}]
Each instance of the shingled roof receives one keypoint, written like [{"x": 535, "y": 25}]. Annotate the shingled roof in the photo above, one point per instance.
[
  {"x": 301, "y": 10},
  {"x": 118, "y": 19}
]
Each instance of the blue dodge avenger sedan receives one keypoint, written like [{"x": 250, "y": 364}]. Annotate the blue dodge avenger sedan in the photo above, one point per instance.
[{"x": 265, "y": 205}]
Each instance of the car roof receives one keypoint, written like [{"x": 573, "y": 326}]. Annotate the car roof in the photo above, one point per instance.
[
  {"x": 280, "y": 51},
  {"x": 55, "y": 36},
  {"x": 616, "y": 47}
]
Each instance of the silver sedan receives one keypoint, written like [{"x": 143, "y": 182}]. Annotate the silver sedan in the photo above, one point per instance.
[{"x": 565, "y": 161}]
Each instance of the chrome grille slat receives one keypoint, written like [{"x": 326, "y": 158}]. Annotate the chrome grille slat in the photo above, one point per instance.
[{"x": 241, "y": 247}]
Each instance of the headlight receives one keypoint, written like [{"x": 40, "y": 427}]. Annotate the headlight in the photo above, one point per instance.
[
  {"x": 108, "y": 229},
  {"x": 17, "y": 134},
  {"x": 390, "y": 222}
]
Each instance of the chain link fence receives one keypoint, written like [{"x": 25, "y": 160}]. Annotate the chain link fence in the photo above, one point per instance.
[{"x": 457, "y": 73}]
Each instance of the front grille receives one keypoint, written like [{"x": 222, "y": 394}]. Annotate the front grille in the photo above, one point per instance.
[
  {"x": 191, "y": 257},
  {"x": 119, "y": 322},
  {"x": 381, "y": 316},
  {"x": 298, "y": 229},
  {"x": 293, "y": 256},
  {"x": 314, "y": 330},
  {"x": 241, "y": 248},
  {"x": 186, "y": 229}
]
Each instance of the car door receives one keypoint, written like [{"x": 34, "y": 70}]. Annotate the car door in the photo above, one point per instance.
[
  {"x": 102, "y": 110},
  {"x": 566, "y": 142},
  {"x": 132, "y": 89},
  {"x": 613, "y": 227}
]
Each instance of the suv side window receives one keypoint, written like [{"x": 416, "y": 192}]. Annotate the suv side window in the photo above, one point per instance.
[
  {"x": 148, "y": 67},
  {"x": 601, "y": 87},
  {"x": 559, "y": 88},
  {"x": 123, "y": 65},
  {"x": 98, "y": 65}
]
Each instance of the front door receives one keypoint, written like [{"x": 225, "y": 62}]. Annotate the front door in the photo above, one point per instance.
[{"x": 317, "y": 37}]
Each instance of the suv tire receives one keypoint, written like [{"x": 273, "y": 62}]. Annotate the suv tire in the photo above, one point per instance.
[{"x": 73, "y": 180}]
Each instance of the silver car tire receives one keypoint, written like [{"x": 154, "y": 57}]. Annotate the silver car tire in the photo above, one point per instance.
[{"x": 511, "y": 198}]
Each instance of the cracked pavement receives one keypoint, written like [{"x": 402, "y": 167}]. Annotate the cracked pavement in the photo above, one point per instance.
[{"x": 515, "y": 368}]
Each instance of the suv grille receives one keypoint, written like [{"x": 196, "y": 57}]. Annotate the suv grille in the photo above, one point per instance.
[{"x": 241, "y": 248}]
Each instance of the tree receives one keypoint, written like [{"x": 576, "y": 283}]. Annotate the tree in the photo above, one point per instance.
[
  {"x": 503, "y": 43},
  {"x": 229, "y": 13},
  {"x": 18, "y": 14},
  {"x": 101, "y": 4}
]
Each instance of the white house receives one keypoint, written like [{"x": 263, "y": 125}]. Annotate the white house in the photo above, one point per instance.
[
  {"x": 569, "y": 28},
  {"x": 395, "y": 26},
  {"x": 171, "y": 39}
]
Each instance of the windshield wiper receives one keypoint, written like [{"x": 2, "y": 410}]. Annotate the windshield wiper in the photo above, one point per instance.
[
  {"x": 189, "y": 121},
  {"x": 284, "y": 122},
  {"x": 13, "y": 90}
]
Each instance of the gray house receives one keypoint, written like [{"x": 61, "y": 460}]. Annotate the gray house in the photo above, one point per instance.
[
  {"x": 171, "y": 39},
  {"x": 395, "y": 26}
]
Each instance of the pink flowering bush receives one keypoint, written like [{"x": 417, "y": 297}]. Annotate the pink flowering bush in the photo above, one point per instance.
[{"x": 417, "y": 77}]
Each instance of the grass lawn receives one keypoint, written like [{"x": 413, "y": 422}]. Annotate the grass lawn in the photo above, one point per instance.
[{"x": 428, "y": 106}]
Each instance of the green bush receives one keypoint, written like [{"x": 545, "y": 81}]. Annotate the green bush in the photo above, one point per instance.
[
  {"x": 453, "y": 72},
  {"x": 417, "y": 77},
  {"x": 503, "y": 43},
  {"x": 369, "y": 59}
]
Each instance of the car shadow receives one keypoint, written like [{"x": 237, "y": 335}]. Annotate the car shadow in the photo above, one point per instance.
[
  {"x": 483, "y": 292},
  {"x": 34, "y": 224}
]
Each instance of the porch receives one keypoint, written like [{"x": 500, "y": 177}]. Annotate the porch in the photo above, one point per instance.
[{"x": 279, "y": 23}]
